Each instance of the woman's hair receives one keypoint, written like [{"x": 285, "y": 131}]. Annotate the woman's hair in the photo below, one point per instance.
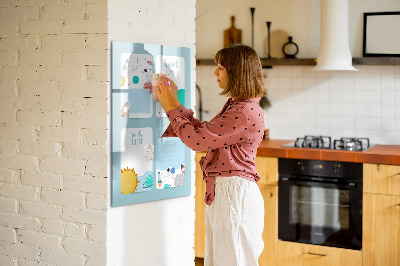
[{"x": 245, "y": 78}]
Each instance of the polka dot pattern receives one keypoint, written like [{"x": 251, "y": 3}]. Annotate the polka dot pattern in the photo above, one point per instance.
[{"x": 231, "y": 139}]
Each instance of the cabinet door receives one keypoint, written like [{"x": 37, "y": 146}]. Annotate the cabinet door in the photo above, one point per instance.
[
  {"x": 381, "y": 230},
  {"x": 297, "y": 254},
  {"x": 381, "y": 179},
  {"x": 267, "y": 168},
  {"x": 200, "y": 207},
  {"x": 270, "y": 233}
]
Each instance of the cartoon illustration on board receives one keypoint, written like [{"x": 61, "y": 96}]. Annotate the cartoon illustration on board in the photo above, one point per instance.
[
  {"x": 149, "y": 152},
  {"x": 136, "y": 76},
  {"x": 170, "y": 177},
  {"x": 139, "y": 70},
  {"x": 136, "y": 71},
  {"x": 125, "y": 109},
  {"x": 137, "y": 152},
  {"x": 129, "y": 181}
]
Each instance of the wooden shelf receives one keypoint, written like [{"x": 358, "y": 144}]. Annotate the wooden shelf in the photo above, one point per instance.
[
  {"x": 312, "y": 61},
  {"x": 376, "y": 61}
]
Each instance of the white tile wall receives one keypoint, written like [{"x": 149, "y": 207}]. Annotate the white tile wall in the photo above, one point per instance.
[{"x": 338, "y": 104}]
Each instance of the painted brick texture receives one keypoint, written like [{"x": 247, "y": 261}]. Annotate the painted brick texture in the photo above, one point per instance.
[{"x": 53, "y": 132}]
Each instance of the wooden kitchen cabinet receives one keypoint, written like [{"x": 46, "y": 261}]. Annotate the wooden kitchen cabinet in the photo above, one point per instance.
[
  {"x": 270, "y": 233},
  {"x": 381, "y": 215},
  {"x": 381, "y": 179},
  {"x": 267, "y": 168},
  {"x": 200, "y": 207},
  {"x": 381, "y": 230},
  {"x": 298, "y": 254}
]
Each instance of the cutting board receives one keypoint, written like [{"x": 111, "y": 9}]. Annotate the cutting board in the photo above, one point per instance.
[{"x": 232, "y": 35}]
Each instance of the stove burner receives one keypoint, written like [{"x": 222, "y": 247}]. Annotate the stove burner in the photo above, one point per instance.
[
  {"x": 351, "y": 144},
  {"x": 308, "y": 141},
  {"x": 324, "y": 142}
]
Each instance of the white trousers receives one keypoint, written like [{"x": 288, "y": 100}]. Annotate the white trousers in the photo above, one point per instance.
[{"x": 234, "y": 223}]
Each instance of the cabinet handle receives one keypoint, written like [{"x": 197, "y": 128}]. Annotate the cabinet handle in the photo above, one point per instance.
[
  {"x": 318, "y": 254},
  {"x": 398, "y": 204}
]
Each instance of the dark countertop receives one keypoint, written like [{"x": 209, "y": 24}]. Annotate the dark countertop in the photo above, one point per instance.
[{"x": 379, "y": 154}]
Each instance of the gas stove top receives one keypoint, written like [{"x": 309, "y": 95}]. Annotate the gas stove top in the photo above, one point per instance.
[{"x": 325, "y": 142}]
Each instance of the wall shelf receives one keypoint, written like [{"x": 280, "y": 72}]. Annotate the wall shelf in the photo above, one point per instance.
[{"x": 312, "y": 61}]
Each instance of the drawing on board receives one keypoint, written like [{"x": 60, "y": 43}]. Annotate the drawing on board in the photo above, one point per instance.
[{"x": 146, "y": 167}]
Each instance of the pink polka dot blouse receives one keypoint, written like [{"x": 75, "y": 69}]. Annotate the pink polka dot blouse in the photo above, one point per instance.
[{"x": 231, "y": 139}]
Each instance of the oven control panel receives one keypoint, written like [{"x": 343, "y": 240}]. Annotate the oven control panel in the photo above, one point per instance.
[{"x": 330, "y": 169}]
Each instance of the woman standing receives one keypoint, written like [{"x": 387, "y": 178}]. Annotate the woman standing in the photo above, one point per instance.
[{"x": 235, "y": 207}]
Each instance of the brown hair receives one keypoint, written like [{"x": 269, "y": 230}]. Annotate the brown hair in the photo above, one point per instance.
[{"x": 245, "y": 78}]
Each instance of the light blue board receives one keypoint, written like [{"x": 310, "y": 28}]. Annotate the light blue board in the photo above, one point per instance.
[{"x": 130, "y": 131}]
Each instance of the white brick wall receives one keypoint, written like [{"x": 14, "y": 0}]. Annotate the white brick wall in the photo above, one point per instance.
[
  {"x": 53, "y": 127},
  {"x": 53, "y": 122}
]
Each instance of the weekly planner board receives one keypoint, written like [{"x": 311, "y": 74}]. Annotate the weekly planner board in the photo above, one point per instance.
[{"x": 146, "y": 167}]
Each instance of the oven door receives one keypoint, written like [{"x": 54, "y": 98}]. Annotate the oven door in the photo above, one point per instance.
[{"x": 320, "y": 212}]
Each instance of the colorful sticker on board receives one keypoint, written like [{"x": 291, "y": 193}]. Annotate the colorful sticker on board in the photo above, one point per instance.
[
  {"x": 125, "y": 109},
  {"x": 170, "y": 177},
  {"x": 137, "y": 160},
  {"x": 129, "y": 181}
]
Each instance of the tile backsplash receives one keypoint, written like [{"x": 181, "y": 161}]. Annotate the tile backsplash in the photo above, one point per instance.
[{"x": 365, "y": 103}]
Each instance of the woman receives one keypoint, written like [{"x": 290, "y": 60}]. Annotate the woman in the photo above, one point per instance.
[{"x": 235, "y": 207}]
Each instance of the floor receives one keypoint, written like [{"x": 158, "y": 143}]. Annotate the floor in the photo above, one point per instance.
[{"x": 198, "y": 261}]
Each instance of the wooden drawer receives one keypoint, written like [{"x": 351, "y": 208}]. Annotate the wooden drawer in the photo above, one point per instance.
[
  {"x": 294, "y": 254},
  {"x": 381, "y": 179}
]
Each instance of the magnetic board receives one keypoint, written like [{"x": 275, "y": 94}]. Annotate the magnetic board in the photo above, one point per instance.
[{"x": 146, "y": 167}]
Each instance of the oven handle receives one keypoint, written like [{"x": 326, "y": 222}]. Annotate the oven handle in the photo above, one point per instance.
[{"x": 297, "y": 181}]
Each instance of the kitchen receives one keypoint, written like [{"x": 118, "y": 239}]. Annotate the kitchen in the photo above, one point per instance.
[
  {"x": 55, "y": 122},
  {"x": 337, "y": 104}
]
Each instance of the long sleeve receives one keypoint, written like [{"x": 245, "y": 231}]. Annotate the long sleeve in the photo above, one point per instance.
[
  {"x": 186, "y": 113},
  {"x": 222, "y": 131}
]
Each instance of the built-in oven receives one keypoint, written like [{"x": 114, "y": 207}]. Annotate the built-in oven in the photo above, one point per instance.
[{"x": 320, "y": 202}]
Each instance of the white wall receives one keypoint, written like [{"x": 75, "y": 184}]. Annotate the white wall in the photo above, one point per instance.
[
  {"x": 53, "y": 83},
  {"x": 298, "y": 18},
  {"x": 337, "y": 104},
  {"x": 160, "y": 232}
]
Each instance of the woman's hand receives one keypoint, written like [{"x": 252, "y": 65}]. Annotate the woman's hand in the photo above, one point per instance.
[
  {"x": 164, "y": 94},
  {"x": 174, "y": 92}
]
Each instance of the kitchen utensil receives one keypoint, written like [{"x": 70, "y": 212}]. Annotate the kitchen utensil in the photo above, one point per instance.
[
  {"x": 252, "y": 9},
  {"x": 232, "y": 35},
  {"x": 269, "y": 38},
  {"x": 290, "y": 49}
]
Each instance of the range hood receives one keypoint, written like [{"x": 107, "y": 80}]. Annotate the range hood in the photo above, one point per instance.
[{"x": 334, "y": 51}]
